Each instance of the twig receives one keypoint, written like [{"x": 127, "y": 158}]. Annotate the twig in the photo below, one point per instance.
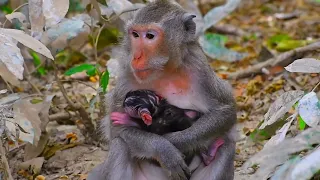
[
  {"x": 39, "y": 66},
  {"x": 4, "y": 161},
  {"x": 22, "y": 5},
  {"x": 8, "y": 85},
  {"x": 73, "y": 80},
  {"x": 59, "y": 116},
  {"x": 316, "y": 86},
  {"x": 284, "y": 59},
  {"x": 29, "y": 79},
  {"x": 76, "y": 106}
]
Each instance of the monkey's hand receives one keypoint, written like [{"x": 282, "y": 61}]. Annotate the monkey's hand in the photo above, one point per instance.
[
  {"x": 172, "y": 160},
  {"x": 118, "y": 118},
  {"x": 213, "y": 124}
]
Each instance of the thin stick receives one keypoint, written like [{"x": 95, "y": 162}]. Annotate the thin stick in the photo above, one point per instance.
[
  {"x": 284, "y": 58},
  {"x": 29, "y": 79},
  {"x": 316, "y": 86},
  {"x": 8, "y": 85}
]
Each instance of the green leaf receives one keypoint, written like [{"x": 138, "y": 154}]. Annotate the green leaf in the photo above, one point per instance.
[
  {"x": 92, "y": 71},
  {"x": 79, "y": 68},
  {"x": 290, "y": 44},
  {"x": 36, "y": 61},
  {"x": 276, "y": 39},
  {"x": 104, "y": 80},
  {"x": 302, "y": 124}
]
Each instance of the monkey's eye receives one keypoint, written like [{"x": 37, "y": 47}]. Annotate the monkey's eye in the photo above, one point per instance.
[
  {"x": 150, "y": 36},
  {"x": 135, "y": 34}
]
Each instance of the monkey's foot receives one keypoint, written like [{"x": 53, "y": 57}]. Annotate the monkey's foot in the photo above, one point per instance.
[
  {"x": 209, "y": 157},
  {"x": 118, "y": 118}
]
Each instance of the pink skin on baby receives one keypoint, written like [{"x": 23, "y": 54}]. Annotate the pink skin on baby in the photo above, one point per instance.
[{"x": 118, "y": 118}]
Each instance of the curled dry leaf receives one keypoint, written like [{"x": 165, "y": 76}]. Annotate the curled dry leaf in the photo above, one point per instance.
[
  {"x": 28, "y": 41},
  {"x": 16, "y": 15},
  {"x": 305, "y": 65},
  {"x": 309, "y": 110},
  {"x": 281, "y": 134},
  {"x": 54, "y": 11},
  {"x": 280, "y": 107},
  {"x": 268, "y": 159},
  {"x": 11, "y": 56}
]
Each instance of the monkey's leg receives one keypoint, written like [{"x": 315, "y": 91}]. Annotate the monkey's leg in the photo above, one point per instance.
[
  {"x": 209, "y": 157},
  {"x": 122, "y": 119},
  {"x": 118, "y": 165},
  {"x": 221, "y": 168}
]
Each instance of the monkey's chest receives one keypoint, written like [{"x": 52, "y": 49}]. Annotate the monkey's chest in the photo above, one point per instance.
[{"x": 184, "y": 98}]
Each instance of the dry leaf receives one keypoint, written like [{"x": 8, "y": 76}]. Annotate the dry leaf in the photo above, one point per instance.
[
  {"x": 34, "y": 165},
  {"x": 28, "y": 41},
  {"x": 54, "y": 11},
  {"x": 11, "y": 56},
  {"x": 305, "y": 65},
  {"x": 7, "y": 75},
  {"x": 16, "y": 15},
  {"x": 281, "y": 134},
  {"x": 270, "y": 158},
  {"x": 309, "y": 110},
  {"x": 281, "y": 106},
  {"x": 25, "y": 112},
  {"x": 36, "y": 17}
]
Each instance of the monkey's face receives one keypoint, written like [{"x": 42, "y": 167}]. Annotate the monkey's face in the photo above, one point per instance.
[{"x": 148, "y": 51}]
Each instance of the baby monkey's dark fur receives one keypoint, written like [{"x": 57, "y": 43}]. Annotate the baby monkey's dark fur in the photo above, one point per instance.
[{"x": 165, "y": 117}]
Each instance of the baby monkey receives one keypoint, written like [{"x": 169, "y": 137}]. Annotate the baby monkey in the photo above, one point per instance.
[
  {"x": 154, "y": 114},
  {"x": 157, "y": 114}
]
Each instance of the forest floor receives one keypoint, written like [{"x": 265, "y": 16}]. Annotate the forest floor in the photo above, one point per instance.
[{"x": 67, "y": 156}]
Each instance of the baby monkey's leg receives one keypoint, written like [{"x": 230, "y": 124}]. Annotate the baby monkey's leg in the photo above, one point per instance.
[{"x": 209, "y": 157}]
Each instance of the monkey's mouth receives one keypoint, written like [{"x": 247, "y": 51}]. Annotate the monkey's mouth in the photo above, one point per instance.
[{"x": 143, "y": 74}]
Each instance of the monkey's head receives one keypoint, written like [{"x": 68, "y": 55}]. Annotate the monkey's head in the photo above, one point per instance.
[{"x": 156, "y": 38}]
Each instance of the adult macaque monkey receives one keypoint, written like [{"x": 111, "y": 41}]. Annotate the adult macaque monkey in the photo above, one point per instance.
[{"x": 161, "y": 53}]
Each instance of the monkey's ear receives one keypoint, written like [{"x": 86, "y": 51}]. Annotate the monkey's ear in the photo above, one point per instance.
[{"x": 189, "y": 24}]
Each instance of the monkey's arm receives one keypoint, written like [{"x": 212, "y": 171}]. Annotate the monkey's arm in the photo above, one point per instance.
[{"x": 216, "y": 122}]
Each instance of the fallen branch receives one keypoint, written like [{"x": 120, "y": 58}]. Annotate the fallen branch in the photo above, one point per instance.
[{"x": 284, "y": 59}]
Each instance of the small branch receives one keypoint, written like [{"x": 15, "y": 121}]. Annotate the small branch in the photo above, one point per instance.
[
  {"x": 4, "y": 162},
  {"x": 29, "y": 79},
  {"x": 34, "y": 70},
  {"x": 76, "y": 106},
  {"x": 8, "y": 85},
  {"x": 73, "y": 80},
  {"x": 59, "y": 116},
  {"x": 285, "y": 59}
]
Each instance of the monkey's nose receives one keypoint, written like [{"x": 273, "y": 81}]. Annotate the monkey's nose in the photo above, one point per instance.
[{"x": 138, "y": 55}]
